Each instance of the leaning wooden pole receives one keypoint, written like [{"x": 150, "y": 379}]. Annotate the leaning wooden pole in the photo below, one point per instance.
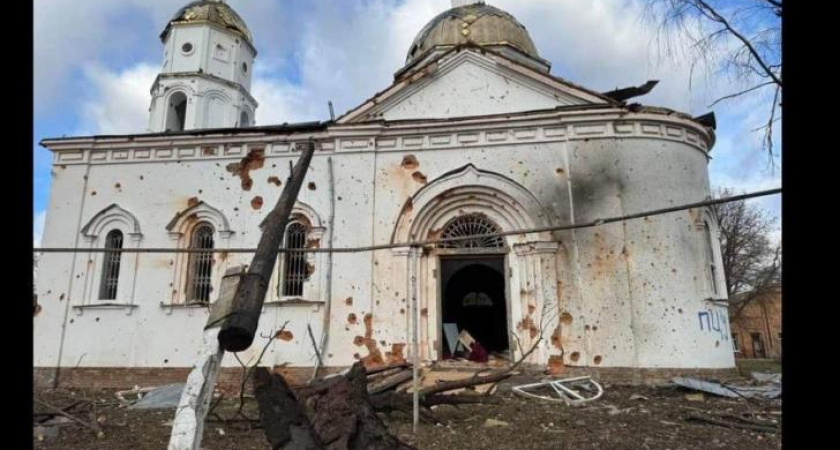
[{"x": 239, "y": 328}]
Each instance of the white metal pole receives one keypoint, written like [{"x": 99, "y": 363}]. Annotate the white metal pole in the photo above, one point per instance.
[{"x": 415, "y": 337}]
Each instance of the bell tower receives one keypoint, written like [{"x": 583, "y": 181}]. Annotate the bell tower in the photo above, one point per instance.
[{"x": 205, "y": 81}]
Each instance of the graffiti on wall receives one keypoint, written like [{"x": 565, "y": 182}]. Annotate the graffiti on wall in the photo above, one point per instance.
[{"x": 716, "y": 320}]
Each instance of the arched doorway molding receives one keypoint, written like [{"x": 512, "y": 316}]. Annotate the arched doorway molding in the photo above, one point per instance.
[{"x": 529, "y": 259}]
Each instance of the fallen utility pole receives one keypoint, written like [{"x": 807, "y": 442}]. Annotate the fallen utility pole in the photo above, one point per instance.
[
  {"x": 234, "y": 316},
  {"x": 240, "y": 326}
]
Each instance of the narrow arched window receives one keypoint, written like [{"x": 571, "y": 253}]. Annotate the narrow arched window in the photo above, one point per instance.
[
  {"x": 244, "y": 121},
  {"x": 294, "y": 266},
  {"x": 711, "y": 266},
  {"x": 111, "y": 266},
  {"x": 200, "y": 276},
  {"x": 471, "y": 225},
  {"x": 176, "y": 116}
]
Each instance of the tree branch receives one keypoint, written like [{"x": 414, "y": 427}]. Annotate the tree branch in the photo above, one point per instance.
[
  {"x": 740, "y": 93},
  {"x": 713, "y": 15}
]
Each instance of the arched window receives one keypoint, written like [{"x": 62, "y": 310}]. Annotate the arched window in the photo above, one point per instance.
[
  {"x": 294, "y": 263},
  {"x": 711, "y": 266},
  {"x": 471, "y": 225},
  {"x": 243, "y": 120},
  {"x": 199, "y": 278},
  {"x": 176, "y": 113},
  {"x": 111, "y": 266}
]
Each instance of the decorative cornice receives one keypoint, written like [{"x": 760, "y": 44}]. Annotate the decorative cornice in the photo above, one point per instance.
[{"x": 557, "y": 126}]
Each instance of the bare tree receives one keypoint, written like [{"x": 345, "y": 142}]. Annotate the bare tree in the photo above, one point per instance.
[
  {"x": 739, "y": 39},
  {"x": 752, "y": 263}
]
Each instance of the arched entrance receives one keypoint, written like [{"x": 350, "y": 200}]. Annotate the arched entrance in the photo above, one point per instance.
[
  {"x": 473, "y": 296},
  {"x": 474, "y": 299},
  {"x": 489, "y": 285}
]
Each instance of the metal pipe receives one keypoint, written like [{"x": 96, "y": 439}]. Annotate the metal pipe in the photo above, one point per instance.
[
  {"x": 415, "y": 340},
  {"x": 70, "y": 283},
  {"x": 590, "y": 224},
  {"x": 325, "y": 331}
]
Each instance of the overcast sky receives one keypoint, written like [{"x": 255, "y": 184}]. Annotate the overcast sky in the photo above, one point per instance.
[{"x": 95, "y": 62}]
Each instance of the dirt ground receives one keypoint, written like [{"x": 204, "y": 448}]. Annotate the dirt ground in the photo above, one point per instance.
[{"x": 656, "y": 421}]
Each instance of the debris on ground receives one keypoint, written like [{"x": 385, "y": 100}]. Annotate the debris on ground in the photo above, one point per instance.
[
  {"x": 534, "y": 425},
  {"x": 489, "y": 423},
  {"x": 162, "y": 397},
  {"x": 567, "y": 390},
  {"x": 731, "y": 390},
  {"x": 695, "y": 397}
]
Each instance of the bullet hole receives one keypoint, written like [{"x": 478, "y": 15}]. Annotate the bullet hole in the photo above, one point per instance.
[
  {"x": 275, "y": 181},
  {"x": 679, "y": 310},
  {"x": 717, "y": 344},
  {"x": 72, "y": 320},
  {"x": 93, "y": 193},
  {"x": 598, "y": 359},
  {"x": 97, "y": 319},
  {"x": 117, "y": 186},
  {"x": 257, "y": 202},
  {"x": 357, "y": 356},
  {"x": 166, "y": 361},
  {"x": 575, "y": 356},
  {"x": 419, "y": 177},
  {"x": 402, "y": 310},
  {"x": 61, "y": 297},
  {"x": 339, "y": 198},
  {"x": 424, "y": 312},
  {"x": 352, "y": 319},
  {"x": 587, "y": 328},
  {"x": 236, "y": 209},
  {"x": 560, "y": 171},
  {"x": 566, "y": 318},
  {"x": 349, "y": 301},
  {"x": 284, "y": 335},
  {"x": 358, "y": 341},
  {"x": 311, "y": 185},
  {"x": 595, "y": 328},
  {"x": 409, "y": 162},
  {"x": 200, "y": 191}
]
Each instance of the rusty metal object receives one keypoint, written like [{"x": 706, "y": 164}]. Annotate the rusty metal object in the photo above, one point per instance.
[{"x": 239, "y": 329}]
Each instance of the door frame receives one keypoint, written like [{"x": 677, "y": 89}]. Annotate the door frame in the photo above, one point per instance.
[{"x": 477, "y": 253}]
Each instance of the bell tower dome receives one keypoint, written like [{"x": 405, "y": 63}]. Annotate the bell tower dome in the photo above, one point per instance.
[{"x": 205, "y": 81}]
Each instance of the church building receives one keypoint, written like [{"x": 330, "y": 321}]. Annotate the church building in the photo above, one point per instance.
[{"x": 475, "y": 136}]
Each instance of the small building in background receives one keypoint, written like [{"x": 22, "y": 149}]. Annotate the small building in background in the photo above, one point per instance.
[{"x": 756, "y": 322}]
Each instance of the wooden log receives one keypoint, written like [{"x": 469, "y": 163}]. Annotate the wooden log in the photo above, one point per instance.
[
  {"x": 345, "y": 419},
  {"x": 379, "y": 370},
  {"x": 284, "y": 422},
  {"x": 391, "y": 382},
  {"x": 237, "y": 333},
  {"x": 475, "y": 380}
]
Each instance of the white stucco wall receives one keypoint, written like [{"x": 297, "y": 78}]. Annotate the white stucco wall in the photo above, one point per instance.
[{"x": 627, "y": 295}]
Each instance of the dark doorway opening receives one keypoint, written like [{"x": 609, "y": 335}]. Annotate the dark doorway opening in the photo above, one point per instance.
[{"x": 474, "y": 298}]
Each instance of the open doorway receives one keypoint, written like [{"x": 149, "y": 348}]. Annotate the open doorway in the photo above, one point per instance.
[{"x": 474, "y": 299}]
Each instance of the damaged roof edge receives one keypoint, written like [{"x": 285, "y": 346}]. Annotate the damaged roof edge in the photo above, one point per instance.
[{"x": 283, "y": 128}]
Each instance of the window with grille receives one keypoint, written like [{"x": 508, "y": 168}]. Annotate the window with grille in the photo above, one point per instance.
[
  {"x": 111, "y": 266},
  {"x": 201, "y": 265},
  {"x": 471, "y": 225},
  {"x": 294, "y": 266},
  {"x": 711, "y": 272}
]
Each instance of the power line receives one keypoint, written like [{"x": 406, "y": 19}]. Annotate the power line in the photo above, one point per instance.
[{"x": 590, "y": 224}]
